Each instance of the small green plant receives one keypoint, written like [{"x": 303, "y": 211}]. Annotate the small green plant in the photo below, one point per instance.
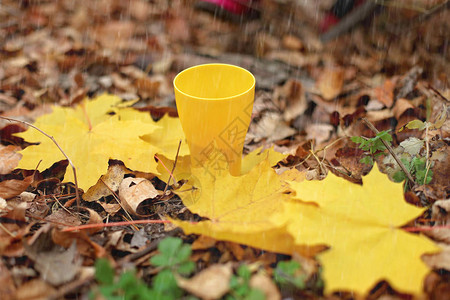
[
  {"x": 287, "y": 274},
  {"x": 418, "y": 169},
  {"x": 127, "y": 287},
  {"x": 240, "y": 288},
  {"x": 373, "y": 147},
  {"x": 173, "y": 258}
]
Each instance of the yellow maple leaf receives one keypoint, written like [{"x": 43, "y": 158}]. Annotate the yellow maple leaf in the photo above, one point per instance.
[
  {"x": 361, "y": 224},
  {"x": 183, "y": 167},
  {"x": 90, "y": 135},
  {"x": 239, "y": 208},
  {"x": 166, "y": 137}
]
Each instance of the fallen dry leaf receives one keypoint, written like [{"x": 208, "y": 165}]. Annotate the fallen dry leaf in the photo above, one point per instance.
[
  {"x": 271, "y": 127},
  {"x": 55, "y": 264},
  {"x": 134, "y": 191},
  {"x": 265, "y": 284},
  {"x": 330, "y": 83},
  {"x": 292, "y": 42},
  {"x": 210, "y": 283},
  {"x": 7, "y": 287},
  {"x": 12, "y": 232},
  {"x": 107, "y": 184},
  {"x": 385, "y": 93},
  {"x": 9, "y": 158},
  {"x": 203, "y": 242},
  {"x": 401, "y": 106},
  {"x": 439, "y": 260},
  {"x": 14, "y": 187},
  {"x": 440, "y": 211},
  {"x": 35, "y": 289},
  {"x": 293, "y": 93}
]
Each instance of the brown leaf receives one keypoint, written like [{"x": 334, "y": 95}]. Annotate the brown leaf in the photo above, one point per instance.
[
  {"x": 111, "y": 208},
  {"x": 210, "y": 283},
  {"x": 6, "y": 133},
  {"x": 15, "y": 224},
  {"x": 61, "y": 216},
  {"x": 35, "y": 289},
  {"x": 439, "y": 260},
  {"x": 385, "y": 93},
  {"x": 134, "y": 191},
  {"x": 272, "y": 127},
  {"x": 115, "y": 34},
  {"x": 147, "y": 88},
  {"x": 203, "y": 242},
  {"x": 84, "y": 244},
  {"x": 292, "y": 42},
  {"x": 319, "y": 132},
  {"x": 107, "y": 183},
  {"x": 330, "y": 83},
  {"x": 7, "y": 287},
  {"x": 296, "y": 105},
  {"x": 55, "y": 264},
  {"x": 265, "y": 284},
  {"x": 9, "y": 158},
  {"x": 401, "y": 106},
  {"x": 14, "y": 187}
]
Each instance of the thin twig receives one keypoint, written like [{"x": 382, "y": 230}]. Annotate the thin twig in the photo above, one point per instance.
[
  {"x": 112, "y": 224},
  {"x": 391, "y": 151},
  {"x": 7, "y": 231},
  {"x": 77, "y": 194},
  {"x": 120, "y": 203},
  {"x": 164, "y": 166},
  {"x": 173, "y": 168},
  {"x": 62, "y": 206}
]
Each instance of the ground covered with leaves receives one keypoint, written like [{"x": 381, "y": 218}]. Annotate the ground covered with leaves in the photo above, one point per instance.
[{"x": 344, "y": 185}]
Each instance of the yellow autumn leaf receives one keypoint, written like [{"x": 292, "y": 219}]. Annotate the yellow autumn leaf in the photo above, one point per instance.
[
  {"x": 183, "y": 167},
  {"x": 90, "y": 135},
  {"x": 361, "y": 224},
  {"x": 239, "y": 208},
  {"x": 166, "y": 137},
  {"x": 257, "y": 156}
]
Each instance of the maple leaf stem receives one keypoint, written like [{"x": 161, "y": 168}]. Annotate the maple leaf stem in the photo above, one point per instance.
[
  {"x": 425, "y": 228},
  {"x": 77, "y": 194},
  {"x": 164, "y": 166},
  {"x": 173, "y": 168},
  {"x": 86, "y": 115},
  {"x": 391, "y": 151}
]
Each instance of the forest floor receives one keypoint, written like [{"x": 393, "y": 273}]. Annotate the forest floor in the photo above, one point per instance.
[{"x": 311, "y": 98}]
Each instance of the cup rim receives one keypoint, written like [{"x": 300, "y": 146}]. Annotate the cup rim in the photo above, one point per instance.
[{"x": 214, "y": 99}]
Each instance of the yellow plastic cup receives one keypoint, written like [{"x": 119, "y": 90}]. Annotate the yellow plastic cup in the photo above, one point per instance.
[{"x": 215, "y": 103}]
